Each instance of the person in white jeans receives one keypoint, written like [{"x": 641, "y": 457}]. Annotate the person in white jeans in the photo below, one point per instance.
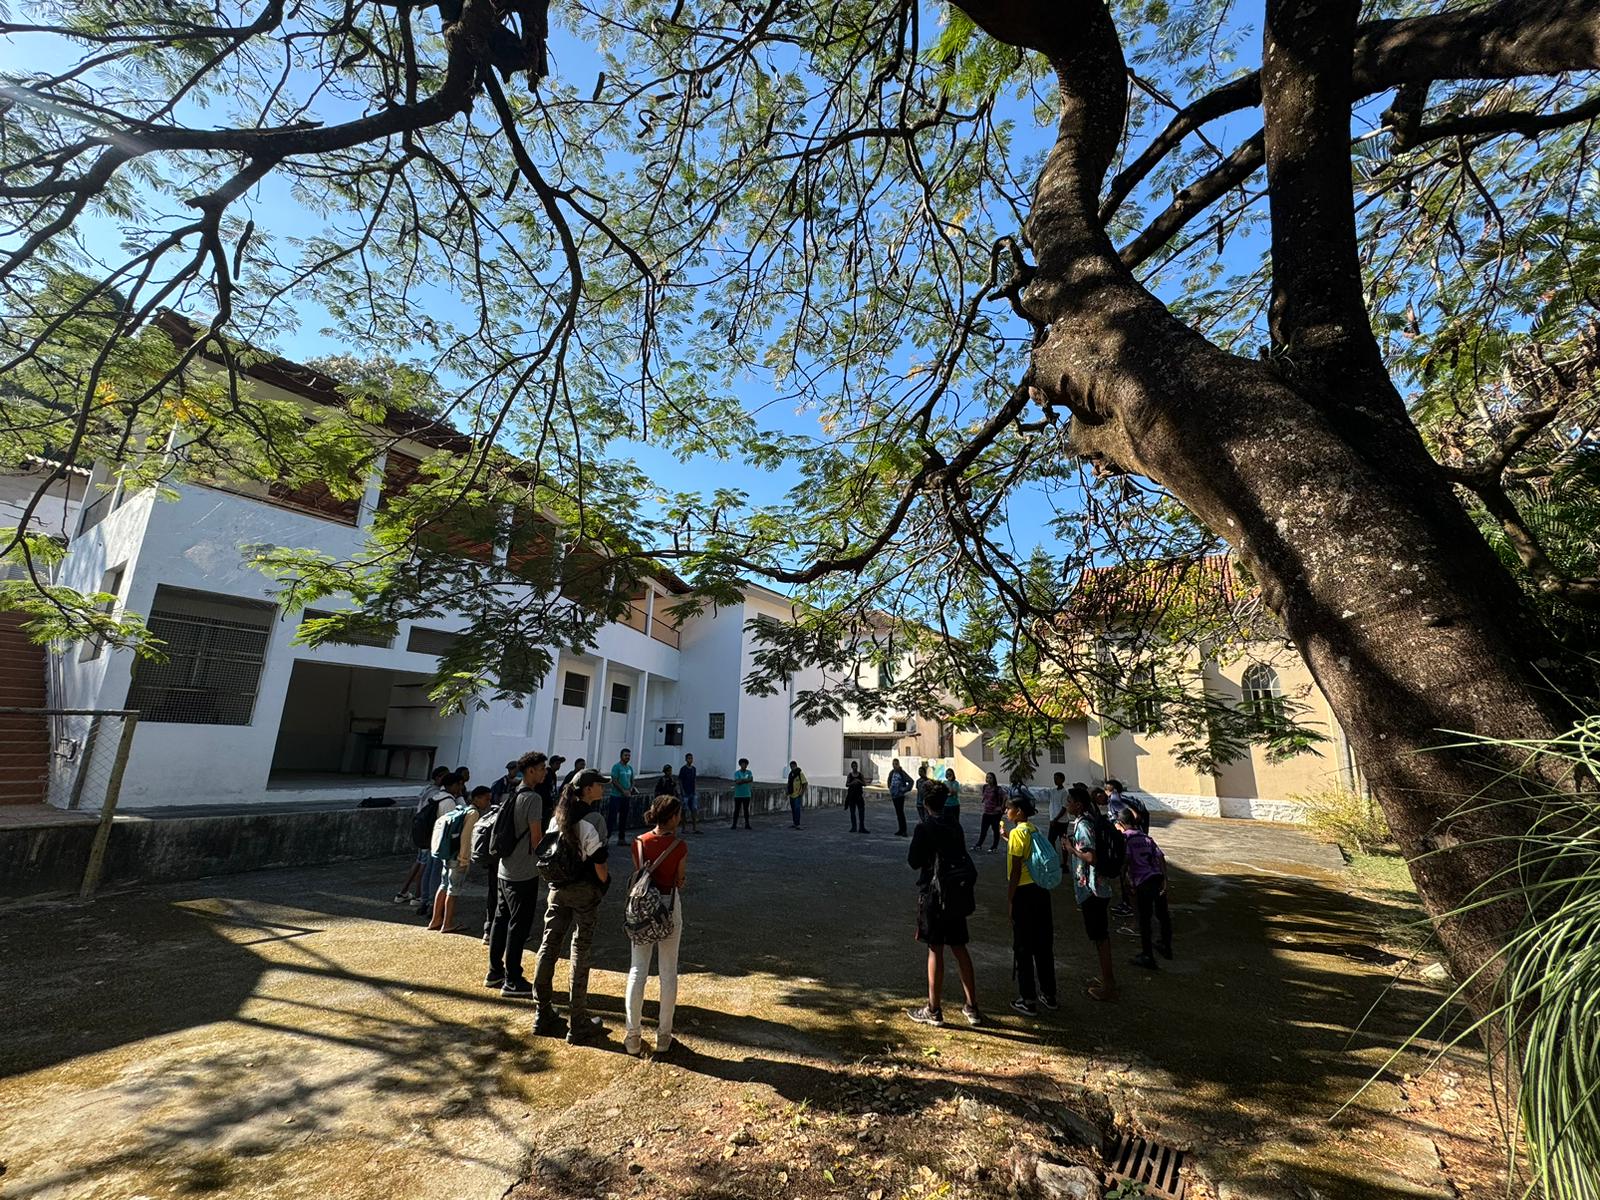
[{"x": 669, "y": 855}]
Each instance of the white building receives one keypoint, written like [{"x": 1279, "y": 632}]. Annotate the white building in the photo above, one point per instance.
[{"x": 238, "y": 712}]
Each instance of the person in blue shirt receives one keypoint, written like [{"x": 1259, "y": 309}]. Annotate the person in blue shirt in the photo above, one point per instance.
[
  {"x": 899, "y": 785},
  {"x": 688, "y": 777},
  {"x": 744, "y": 783},
  {"x": 620, "y": 798}
]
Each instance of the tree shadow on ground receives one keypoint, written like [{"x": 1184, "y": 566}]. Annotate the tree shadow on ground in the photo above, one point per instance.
[{"x": 1276, "y": 1010}]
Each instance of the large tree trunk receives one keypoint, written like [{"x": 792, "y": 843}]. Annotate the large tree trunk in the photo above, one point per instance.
[
  {"x": 1411, "y": 627},
  {"x": 1308, "y": 463}
]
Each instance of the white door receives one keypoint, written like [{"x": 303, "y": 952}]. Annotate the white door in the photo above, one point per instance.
[
  {"x": 622, "y": 695},
  {"x": 572, "y": 717}
]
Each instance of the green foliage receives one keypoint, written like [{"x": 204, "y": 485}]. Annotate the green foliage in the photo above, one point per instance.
[{"x": 1345, "y": 816}]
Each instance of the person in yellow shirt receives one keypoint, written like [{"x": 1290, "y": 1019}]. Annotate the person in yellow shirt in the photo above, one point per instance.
[{"x": 1032, "y": 927}]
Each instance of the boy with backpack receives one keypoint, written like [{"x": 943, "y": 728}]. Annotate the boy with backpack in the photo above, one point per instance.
[
  {"x": 1147, "y": 871},
  {"x": 1095, "y": 850},
  {"x": 514, "y": 837},
  {"x": 945, "y": 899},
  {"x": 452, "y": 845},
  {"x": 1033, "y": 868},
  {"x": 422, "y": 820}
]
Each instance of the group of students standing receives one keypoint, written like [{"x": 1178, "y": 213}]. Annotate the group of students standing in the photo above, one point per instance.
[
  {"x": 525, "y": 831},
  {"x": 1102, "y": 837}
]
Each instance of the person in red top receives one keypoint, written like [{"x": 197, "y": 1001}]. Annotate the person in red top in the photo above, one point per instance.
[{"x": 666, "y": 854}]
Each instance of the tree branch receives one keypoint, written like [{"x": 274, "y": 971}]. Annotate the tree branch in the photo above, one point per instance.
[{"x": 1318, "y": 315}]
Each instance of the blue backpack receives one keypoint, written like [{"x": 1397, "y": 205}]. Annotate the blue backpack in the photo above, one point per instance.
[
  {"x": 1044, "y": 862},
  {"x": 447, "y": 842}
]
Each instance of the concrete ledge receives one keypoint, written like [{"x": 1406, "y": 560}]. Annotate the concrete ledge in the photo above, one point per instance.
[{"x": 50, "y": 859}]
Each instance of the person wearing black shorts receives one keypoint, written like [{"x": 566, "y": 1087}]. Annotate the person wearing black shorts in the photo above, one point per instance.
[{"x": 939, "y": 854}]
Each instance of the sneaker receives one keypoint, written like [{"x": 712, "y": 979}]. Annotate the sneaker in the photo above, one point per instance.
[
  {"x": 1026, "y": 1007},
  {"x": 550, "y": 1025},
  {"x": 403, "y": 898},
  {"x": 586, "y": 1033},
  {"x": 926, "y": 1015},
  {"x": 1049, "y": 1002},
  {"x": 494, "y": 979},
  {"x": 517, "y": 989},
  {"x": 1124, "y": 909},
  {"x": 1165, "y": 952},
  {"x": 973, "y": 1016},
  {"x": 1144, "y": 960},
  {"x": 664, "y": 1043},
  {"x": 633, "y": 1044}
]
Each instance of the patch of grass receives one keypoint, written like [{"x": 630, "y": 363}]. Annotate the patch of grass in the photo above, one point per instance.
[{"x": 1382, "y": 871}]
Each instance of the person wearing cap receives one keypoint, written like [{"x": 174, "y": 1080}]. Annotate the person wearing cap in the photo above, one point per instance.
[
  {"x": 1032, "y": 927},
  {"x": 506, "y": 783}
]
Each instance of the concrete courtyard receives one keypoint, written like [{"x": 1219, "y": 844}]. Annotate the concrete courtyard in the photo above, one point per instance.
[{"x": 293, "y": 1033}]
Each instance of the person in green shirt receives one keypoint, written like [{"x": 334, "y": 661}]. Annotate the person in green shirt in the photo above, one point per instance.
[
  {"x": 952, "y": 804},
  {"x": 797, "y": 791},
  {"x": 743, "y": 786},
  {"x": 620, "y": 798}
]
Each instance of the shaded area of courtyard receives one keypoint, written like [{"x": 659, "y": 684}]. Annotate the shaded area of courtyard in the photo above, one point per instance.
[{"x": 291, "y": 1032}]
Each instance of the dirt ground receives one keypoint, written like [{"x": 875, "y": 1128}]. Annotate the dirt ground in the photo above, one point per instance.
[{"x": 292, "y": 1033}]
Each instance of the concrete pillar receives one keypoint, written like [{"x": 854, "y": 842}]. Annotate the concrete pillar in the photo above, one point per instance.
[
  {"x": 374, "y": 492},
  {"x": 597, "y": 722}
]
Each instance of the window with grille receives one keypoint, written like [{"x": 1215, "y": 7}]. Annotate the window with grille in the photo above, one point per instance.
[
  {"x": 1263, "y": 697},
  {"x": 1144, "y": 707},
  {"x": 437, "y": 642},
  {"x": 575, "y": 690},
  {"x": 1058, "y": 752},
  {"x": 111, "y": 584},
  {"x": 947, "y": 740},
  {"x": 986, "y": 748},
  {"x": 355, "y": 638},
  {"x": 215, "y": 647},
  {"x": 621, "y": 693},
  {"x": 719, "y": 727}
]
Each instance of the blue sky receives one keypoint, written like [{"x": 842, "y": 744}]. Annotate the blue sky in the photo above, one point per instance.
[{"x": 277, "y": 213}]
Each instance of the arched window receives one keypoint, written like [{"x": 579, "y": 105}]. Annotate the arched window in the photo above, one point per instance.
[{"x": 1263, "y": 696}]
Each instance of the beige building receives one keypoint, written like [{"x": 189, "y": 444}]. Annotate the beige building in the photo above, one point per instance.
[{"x": 1262, "y": 673}]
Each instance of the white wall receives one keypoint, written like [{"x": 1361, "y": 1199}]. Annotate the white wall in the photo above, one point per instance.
[
  {"x": 55, "y": 515},
  {"x": 711, "y": 680}
]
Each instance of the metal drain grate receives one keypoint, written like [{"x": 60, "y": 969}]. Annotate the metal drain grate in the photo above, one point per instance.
[{"x": 1158, "y": 1167}]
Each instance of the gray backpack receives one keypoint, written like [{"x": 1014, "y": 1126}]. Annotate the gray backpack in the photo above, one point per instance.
[{"x": 648, "y": 914}]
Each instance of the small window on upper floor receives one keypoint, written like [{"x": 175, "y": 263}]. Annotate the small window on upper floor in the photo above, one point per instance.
[
  {"x": 111, "y": 584},
  {"x": 718, "y": 728},
  {"x": 437, "y": 642}
]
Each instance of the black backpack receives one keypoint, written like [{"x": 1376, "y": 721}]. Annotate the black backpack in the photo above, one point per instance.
[
  {"x": 1110, "y": 848},
  {"x": 955, "y": 880},
  {"x": 503, "y": 836},
  {"x": 422, "y": 824},
  {"x": 557, "y": 860}
]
